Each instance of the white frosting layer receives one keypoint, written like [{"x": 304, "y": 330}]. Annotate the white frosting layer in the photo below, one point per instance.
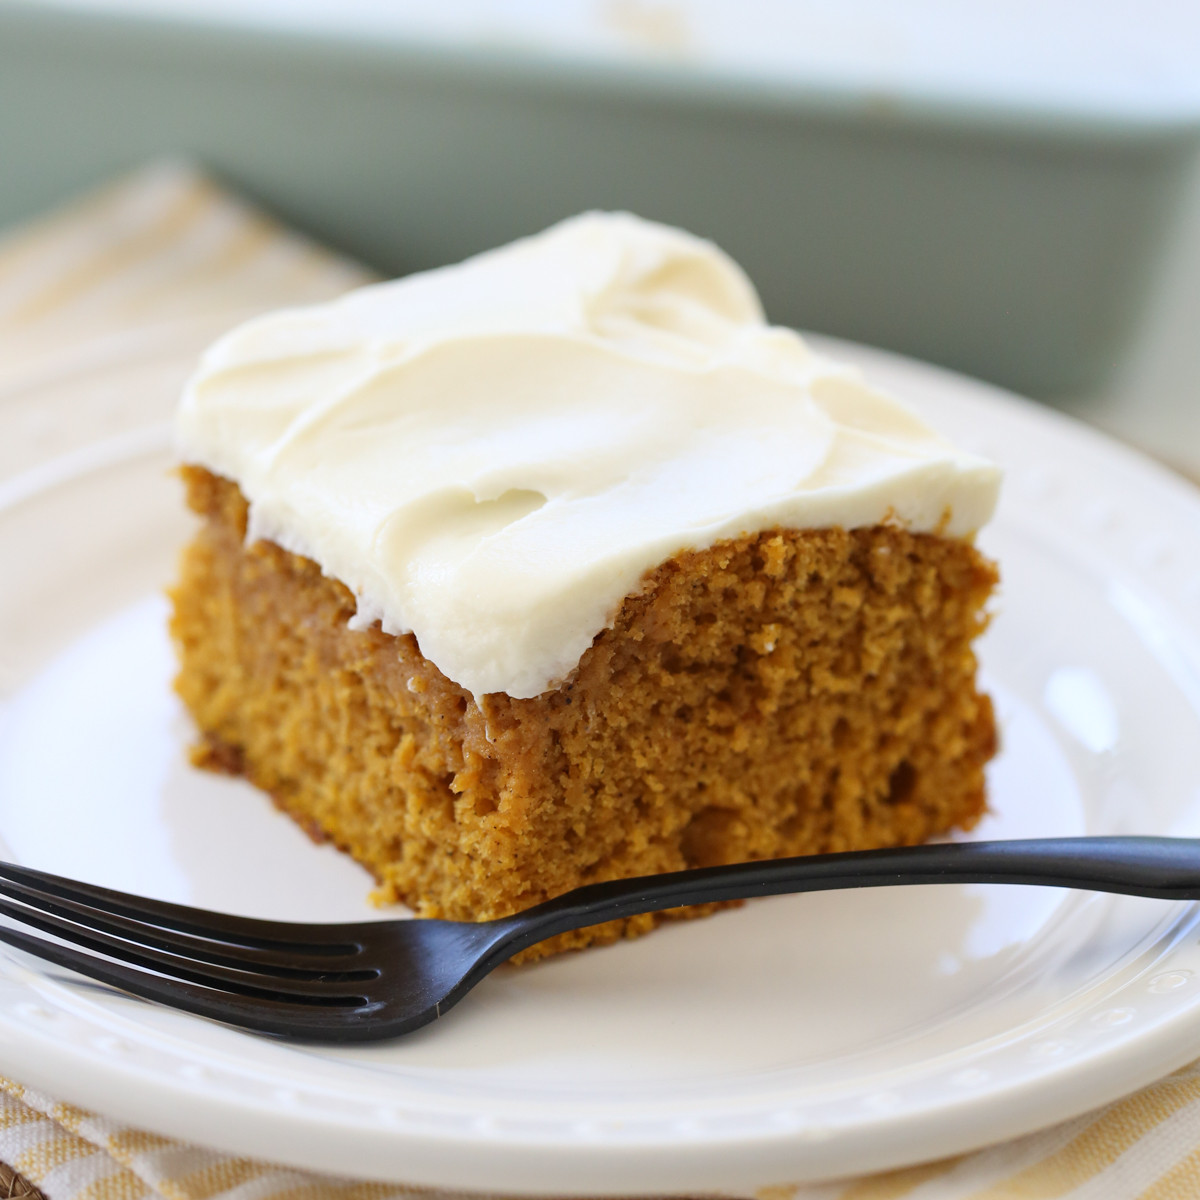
[{"x": 491, "y": 455}]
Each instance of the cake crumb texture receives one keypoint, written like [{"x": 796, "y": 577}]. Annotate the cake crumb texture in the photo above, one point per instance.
[{"x": 786, "y": 692}]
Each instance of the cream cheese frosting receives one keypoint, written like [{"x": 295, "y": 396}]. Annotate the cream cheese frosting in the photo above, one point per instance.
[{"x": 491, "y": 455}]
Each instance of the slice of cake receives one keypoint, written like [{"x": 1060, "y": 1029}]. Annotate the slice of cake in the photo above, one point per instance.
[{"x": 561, "y": 565}]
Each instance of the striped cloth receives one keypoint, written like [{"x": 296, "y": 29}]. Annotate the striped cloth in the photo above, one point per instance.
[
  {"x": 163, "y": 248},
  {"x": 105, "y": 305},
  {"x": 103, "y": 308},
  {"x": 1146, "y": 1147}
]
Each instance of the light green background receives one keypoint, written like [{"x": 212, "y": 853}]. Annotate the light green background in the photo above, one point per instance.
[{"x": 1021, "y": 249}]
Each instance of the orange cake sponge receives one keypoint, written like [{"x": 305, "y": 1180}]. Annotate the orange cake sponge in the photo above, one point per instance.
[{"x": 780, "y": 693}]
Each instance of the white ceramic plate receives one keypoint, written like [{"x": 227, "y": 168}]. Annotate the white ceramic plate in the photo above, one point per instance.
[{"x": 797, "y": 1038}]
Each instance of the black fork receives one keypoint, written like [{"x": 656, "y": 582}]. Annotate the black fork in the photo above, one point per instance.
[{"x": 372, "y": 980}]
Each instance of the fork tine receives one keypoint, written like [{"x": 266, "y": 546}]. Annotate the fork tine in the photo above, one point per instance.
[
  {"x": 240, "y": 931},
  {"x": 244, "y": 981},
  {"x": 342, "y": 1019},
  {"x": 294, "y": 964}
]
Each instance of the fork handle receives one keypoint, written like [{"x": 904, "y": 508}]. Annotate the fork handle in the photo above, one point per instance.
[{"x": 1165, "y": 868}]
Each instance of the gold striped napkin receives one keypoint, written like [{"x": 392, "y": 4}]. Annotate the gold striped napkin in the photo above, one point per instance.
[
  {"x": 105, "y": 304},
  {"x": 1146, "y": 1147},
  {"x": 103, "y": 309}
]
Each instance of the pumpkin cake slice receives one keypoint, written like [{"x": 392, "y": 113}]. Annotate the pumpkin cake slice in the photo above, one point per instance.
[{"x": 561, "y": 565}]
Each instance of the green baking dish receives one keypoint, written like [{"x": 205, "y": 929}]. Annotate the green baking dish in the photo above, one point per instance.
[{"x": 1018, "y": 244}]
